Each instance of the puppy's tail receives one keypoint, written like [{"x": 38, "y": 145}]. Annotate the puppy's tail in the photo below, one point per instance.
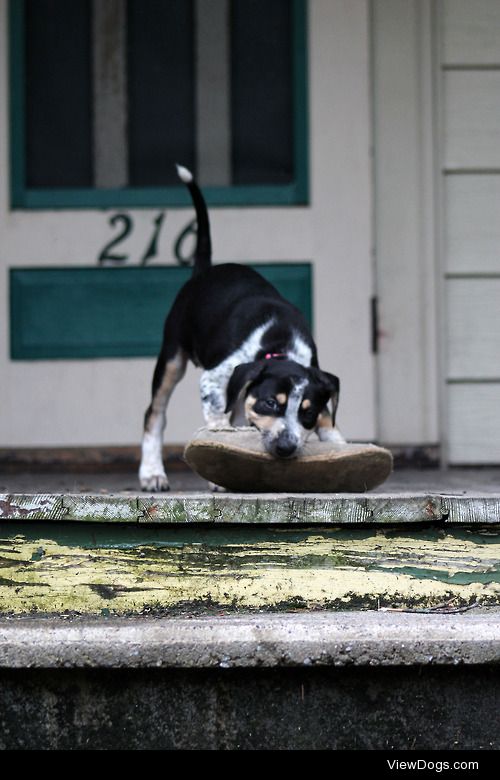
[{"x": 203, "y": 250}]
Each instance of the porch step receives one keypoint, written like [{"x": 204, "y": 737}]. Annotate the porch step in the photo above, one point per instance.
[
  {"x": 347, "y": 681},
  {"x": 368, "y": 638},
  {"x": 248, "y": 508}
]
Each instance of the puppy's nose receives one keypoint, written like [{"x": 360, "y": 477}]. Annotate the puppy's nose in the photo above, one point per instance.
[{"x": 284, "y": 449}]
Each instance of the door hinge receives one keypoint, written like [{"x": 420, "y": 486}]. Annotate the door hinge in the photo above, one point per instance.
[{"x": 374, "y": 324}]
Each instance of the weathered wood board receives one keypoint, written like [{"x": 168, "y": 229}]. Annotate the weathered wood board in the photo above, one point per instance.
[
  {"x": 101, "y": 569},
  {"x": 221, "y": 508},
  {"x": 262, "y": 509}
]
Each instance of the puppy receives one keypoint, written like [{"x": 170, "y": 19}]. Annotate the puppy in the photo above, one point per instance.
[{"x": 255, "y": 350}]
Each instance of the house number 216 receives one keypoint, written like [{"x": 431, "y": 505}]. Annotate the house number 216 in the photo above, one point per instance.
[{"x": 124, "y": 225}]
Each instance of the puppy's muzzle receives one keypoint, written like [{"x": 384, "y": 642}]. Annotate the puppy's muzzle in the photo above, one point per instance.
[{"x": 284, "y": 446}]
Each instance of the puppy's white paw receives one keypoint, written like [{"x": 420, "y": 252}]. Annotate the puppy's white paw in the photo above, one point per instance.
[
  {"x": 216, "y": 488},
  {"x": 333, "y": 436},
  {"x": 216, "y": 423},
  {"x": 154, "y": 483}
]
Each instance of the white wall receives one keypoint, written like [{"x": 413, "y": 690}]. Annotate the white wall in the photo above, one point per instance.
[{"x": 101, "y": 402}]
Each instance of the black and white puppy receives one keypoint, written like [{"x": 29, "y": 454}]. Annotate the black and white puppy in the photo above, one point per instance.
[{"x": 256, "y": 352}]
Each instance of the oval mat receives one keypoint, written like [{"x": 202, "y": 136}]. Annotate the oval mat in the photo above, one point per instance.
[{"x": 235, "y": 459}]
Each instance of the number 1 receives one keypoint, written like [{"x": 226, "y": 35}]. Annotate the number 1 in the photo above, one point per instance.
[{"x": 152, "y": 249}]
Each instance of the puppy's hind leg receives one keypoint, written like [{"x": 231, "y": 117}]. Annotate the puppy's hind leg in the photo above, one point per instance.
[{"x": 168, "y": 372}]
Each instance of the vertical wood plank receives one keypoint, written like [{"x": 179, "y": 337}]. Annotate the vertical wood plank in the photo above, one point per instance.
[
  {"x": 110, "y": 93},
  {"x": 404, "y": 221},
  {"x": 213, "y": 125}
]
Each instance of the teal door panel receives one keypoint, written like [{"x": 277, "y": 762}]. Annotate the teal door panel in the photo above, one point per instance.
[{"x": 94, "y": 312}]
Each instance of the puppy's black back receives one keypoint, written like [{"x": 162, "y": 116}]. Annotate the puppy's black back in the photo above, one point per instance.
[
  {"x": 220, "y": 306},
  {"x": 223, "y": 305}
]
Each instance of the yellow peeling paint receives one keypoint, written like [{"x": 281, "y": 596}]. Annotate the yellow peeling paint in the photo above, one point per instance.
[{"x": 317, "y": 570}]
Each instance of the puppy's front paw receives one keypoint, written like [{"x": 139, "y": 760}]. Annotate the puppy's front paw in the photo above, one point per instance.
[
  {"x": 216, "y": 488},
  {"x": 216, "y": 423},
  {"x": 333, "y": 436},
  {"x": 154, "y": 483}
]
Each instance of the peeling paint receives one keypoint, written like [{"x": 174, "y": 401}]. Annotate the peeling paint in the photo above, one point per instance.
[
  {"x": 30, "y": 507},
  {"x": 308, "y": 568}
]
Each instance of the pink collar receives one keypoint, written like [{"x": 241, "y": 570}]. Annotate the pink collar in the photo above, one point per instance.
[{"x": 277, "y": 355}]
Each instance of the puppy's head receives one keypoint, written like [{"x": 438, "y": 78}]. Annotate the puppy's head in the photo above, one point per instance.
[{"x": 283, "y": 400}]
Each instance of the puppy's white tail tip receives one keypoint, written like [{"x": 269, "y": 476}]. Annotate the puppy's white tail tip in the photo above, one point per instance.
[{"x": 184, "y": 174}]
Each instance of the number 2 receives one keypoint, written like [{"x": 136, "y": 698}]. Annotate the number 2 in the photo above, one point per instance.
[{"x": 106, "y": 255}]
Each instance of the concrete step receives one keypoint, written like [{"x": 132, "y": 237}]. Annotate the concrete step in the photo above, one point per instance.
[
  {"x": 259, "y": 640},
  {"x": 363, "y": 681}
]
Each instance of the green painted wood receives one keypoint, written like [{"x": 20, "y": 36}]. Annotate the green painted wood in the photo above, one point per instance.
[
  {"x": 160, "y": 197},
  {"x": 112, "y": 312},
  {"x": 55, "y": 568}
]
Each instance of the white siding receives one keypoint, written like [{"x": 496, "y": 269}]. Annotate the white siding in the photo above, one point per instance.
[
  {"x": 474, "y": 328},
  {"x": 472, "y": 119},
  {"x": 472, "y": 226},
  {"x": 474, "y": 423},
  {"x": 471, "y": 32},
  {"x": 470, "y": 164}
]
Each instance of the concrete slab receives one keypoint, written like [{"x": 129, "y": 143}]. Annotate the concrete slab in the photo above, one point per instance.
[{"x": 258, "y": 640}]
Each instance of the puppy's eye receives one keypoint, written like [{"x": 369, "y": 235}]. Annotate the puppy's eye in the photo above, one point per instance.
[
  {"x": 271, "y": 404},
  {"x": 267, "y": 406}
]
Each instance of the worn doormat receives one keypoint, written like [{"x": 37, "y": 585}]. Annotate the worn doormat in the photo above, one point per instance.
[{"x": 235, "y": 459}]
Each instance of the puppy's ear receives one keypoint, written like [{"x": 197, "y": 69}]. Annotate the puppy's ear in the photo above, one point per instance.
[
  {"x": 329, "y": 382},
  {"x": 331, "y": 385},
  {"x": 241, "y": 378}
]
